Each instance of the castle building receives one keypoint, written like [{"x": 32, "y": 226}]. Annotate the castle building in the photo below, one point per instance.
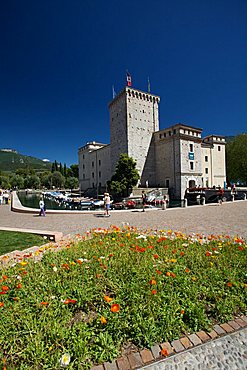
[{"x": 175, "y": 158}]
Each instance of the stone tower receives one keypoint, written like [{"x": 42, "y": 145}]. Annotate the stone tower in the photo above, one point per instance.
[{"x": 134, "y": 117}]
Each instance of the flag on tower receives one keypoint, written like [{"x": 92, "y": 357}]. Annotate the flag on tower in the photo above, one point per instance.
[{"x": 128, "y": 77}]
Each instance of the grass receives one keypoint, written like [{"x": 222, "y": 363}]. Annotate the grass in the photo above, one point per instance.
[
  {"x": 113, "y": 287},
  {"x": 10, "y": 241}
]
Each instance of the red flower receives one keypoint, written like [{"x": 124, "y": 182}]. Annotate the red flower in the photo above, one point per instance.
[
  {"x": 187, "y": 270},
  {"x": 44, "y": 303},
  {"x": 158, "y": 272},
  {"x": 153, "y": 291},
  {"x": 164, "y": 352},
  {"x": 229, "y": 284},
  {"x": 115, "y": 307},
  {"x": 156, "y": 256}
]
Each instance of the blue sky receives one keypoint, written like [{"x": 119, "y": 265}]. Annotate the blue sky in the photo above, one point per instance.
[{"x": 60, "y": 58}]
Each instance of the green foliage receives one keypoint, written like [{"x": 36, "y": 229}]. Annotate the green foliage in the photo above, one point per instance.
[
  {"x": 4, "y": 182},
  {"x": 165, "y": 285},
  {"x": 11, "y": 241},
  {"x": 57, "y": 179},
  {"x": 72, "y": 183},
  {"x": 236, "y": 159},
  {"x": 126, "y": 175},
  {"x": 17, "y": 182},
  {"x": 32, "y": 182}
]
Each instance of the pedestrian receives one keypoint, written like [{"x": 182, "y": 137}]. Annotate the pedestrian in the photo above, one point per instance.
[
  {"x": 42, "y": 207},
  {"x": 107, "y": 204},
  {"x": 144, "y": 200},
  {"x": 164, "y": 203},
  {"x": 220, "y": 196}
]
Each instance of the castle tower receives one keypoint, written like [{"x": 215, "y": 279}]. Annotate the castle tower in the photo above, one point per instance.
[{"x": 134, "y": 117}]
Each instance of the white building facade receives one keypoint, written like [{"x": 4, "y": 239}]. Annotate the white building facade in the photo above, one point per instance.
[{"x": 175, "y": 158}]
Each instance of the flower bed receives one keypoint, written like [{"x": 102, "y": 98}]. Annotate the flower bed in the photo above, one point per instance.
[{"x": 79, "y": 306}]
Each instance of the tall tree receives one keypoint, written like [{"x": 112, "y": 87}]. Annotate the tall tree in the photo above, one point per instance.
[
  {"x": 236, "y": 159},
  {"x": 75, "y": 170},
  {"x": 126, "y": 175}
]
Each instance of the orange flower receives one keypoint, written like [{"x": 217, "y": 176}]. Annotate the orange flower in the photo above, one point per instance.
[
  {"x": 158, "y": 272},
  {"x": 153, "y": 291},
  {"x": 208, "y": 254},
  {"x": 181, "y": 254},
  {"x": 152, "y": 282},
  {"x": 5, "y": 288},
  {"x": 103, "y": 320},
  {"x": 44, "y": 303},
  {"x": 107, "y": 299},
  {"x": 19, "y": 286},
  {"x": 115, "y": 307},
  {"x": 98, "y": 276},
  {"x": 168, "y": 273},
  {"x": 164, "y": 352},
  {"x": 182, "y": 312},
  {"x": 173, "y": 275},
  {"x": 67, "y": 301},
  {"x": 1, "y": 304},
  {"x": 65, "y": 266},
  {"x": 156, "y": 256},
  {"x": 229, "y": 284},
  {"x": 5, "y": 277},
  {"x": 187, "y": 270}
]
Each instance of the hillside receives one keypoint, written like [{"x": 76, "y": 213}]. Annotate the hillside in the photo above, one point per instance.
[{"x": 10, "y": 161}]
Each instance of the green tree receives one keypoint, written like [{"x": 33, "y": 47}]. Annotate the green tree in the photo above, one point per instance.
[
  {"x": 126, "y": 175},
  {"x": 75, "y": 170},
  {"x": 4, "y": 182},
  {"x": 65, "y": 170},
  {"x": 17, "y": 181},
  {"x": 57, "y": 179},
  {"x": 32, "y": 182},
  {"x": 71, "y": 183},
  {"x": 236, "y": 159}
]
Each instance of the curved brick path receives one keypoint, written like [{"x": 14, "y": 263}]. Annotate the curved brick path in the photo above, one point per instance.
[{"x": 230, "y": 218}]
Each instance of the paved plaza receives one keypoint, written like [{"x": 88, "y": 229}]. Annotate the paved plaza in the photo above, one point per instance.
[
  {"x": 227, "y": 352},
  {"x": 228, "y": 219}
]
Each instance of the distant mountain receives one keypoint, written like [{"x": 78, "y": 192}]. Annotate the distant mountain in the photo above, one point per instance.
[{"x": 11, "y": 160}]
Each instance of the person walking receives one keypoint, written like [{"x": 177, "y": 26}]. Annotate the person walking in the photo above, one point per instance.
[
  {"x": 144, "y": 200},
  {"x": 220, "y": 196},
  {"x": 107, "y": 204},
  {"x": 42, "y": 207}
]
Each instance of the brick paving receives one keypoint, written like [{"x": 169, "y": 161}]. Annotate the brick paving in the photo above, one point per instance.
[{"x": 228, "y": 219}]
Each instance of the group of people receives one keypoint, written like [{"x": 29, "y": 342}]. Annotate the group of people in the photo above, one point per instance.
[{"x": 4, "y": 197}]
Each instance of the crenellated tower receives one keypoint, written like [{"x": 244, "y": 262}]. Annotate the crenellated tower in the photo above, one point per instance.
[{"x": 134, "y": 117}]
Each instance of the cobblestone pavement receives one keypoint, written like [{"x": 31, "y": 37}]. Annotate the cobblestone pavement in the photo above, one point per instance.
[
  {"x": 227, "y": 353},
  {"x": 230, "y": 219}
]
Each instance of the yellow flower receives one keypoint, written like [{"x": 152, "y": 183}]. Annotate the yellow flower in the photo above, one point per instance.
[
  {"x": 194, "y": 278},
  {"x": 23, "y": 263},
  {"x": 103, "y": 320}
]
